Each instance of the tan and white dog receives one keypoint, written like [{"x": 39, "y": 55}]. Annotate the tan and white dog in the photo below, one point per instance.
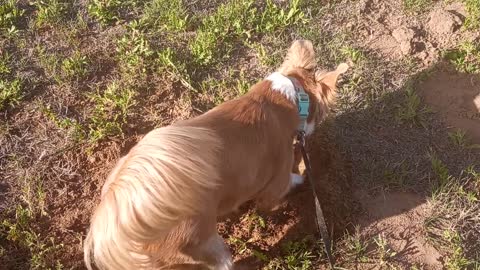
[{"x": 160, "y": 203}]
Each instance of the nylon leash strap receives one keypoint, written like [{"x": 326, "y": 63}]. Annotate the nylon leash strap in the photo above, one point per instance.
[{"x": 321, "y": 224}]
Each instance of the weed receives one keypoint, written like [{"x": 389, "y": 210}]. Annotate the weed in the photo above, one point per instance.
[
  {"x": 50, "y": 63},
  {"x": 10, "y": 92},
  {"x": 133, "y": 50},
  {"x": 4, "y": 64},
  {"x": 242, "y": 247},
  {"x": 75, "y": 129},
  {"x": 453, "y": 225},
  {"x": 9, "y": 15},
  {"x": 356, "y": 246},
  {"x": 354, "y": 54},
  {"x": 105, "y": 11},
  {"x": 75, "y": 66},
  {"x": 465, "y": 58},
  {"x": 412, "y": 111},
  {"x": 274, "y": 17},
  {"x": 439, "y": 169},
  {"x": 264, "y": 55},
  {"x": 168, "y": 61},
  {"x": 110, "y": 112},
  {"x": 166, "y": 14},
  {"x": 239, "y": 21},
  {"x": 220, "y": 90},
  {"x": 49, "y": 12},
  {"x": 384, "y": 251},
  {"x": 472, "y": 21},
  {"x": 458, "y": 138},
  {"x": 417, "y": 6},
  {"x": 21, "y": 233}
]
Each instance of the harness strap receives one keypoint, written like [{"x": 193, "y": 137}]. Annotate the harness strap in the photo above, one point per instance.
[{"x": 321, "y": 224}]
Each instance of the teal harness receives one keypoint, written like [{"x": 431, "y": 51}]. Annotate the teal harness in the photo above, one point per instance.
[{"x": 303, "y": 103}]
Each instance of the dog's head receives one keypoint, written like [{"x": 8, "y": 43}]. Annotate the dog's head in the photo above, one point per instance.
[{"x": 300, "y": 63}]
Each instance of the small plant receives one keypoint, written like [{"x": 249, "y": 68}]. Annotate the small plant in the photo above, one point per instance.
[
  {"x": 473, "y": 9},
  {"x": 49, "y": 12},
  {"x": 10, "y": 93},
  {"x": 355, "y": 55},
  {"x": 440, "y": 170},
  {"x": 168, "y": 61},
  {"x": 75, "y": 129},
  {"x": 134, "y": 53},
  {"x": 165, "y": 14},
  {"x": 412, "y": 111},
  {"x": 417, "y": 6},
  {"x": 105, "y": 11},
  {"x": 4, "y": 64},
  {"x": 466, "y": 58},
  {"x": 110, "y": 112},
  {"x": 384, "y": 251},
  {"x": 356, "y": 246},
  {"x": 458, "y": 138},
  {"x": 274, "y": 17},
  {"x": 75, "y": 66},
  {"x": 9, "y": 14}
]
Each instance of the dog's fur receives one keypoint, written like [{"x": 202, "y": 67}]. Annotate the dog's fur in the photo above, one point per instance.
[{"x": 160, "y": 204}]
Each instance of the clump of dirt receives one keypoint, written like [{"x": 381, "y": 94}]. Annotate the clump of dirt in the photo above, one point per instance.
[
  {"x": 456, "y": 97},
  {"x": 394, "y": 34},
  {"x": 294, "y": 220}
]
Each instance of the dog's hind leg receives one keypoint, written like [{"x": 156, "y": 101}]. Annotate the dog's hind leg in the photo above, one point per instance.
[{"x": 216, "y": 253}]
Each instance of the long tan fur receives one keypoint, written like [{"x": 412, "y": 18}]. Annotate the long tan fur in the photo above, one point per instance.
[{"x": 159, "y": 183}]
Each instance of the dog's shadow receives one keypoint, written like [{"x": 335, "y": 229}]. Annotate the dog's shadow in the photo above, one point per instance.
[{"x": 368, "y": 151}]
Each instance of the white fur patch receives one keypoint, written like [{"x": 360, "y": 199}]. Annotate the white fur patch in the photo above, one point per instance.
[
  {"x": 283, "y": 85},
  {"x": 310, "y": 128},
  {"x": 296, "y": 179}
]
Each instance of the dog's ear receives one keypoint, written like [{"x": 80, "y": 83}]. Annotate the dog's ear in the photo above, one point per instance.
[
  {"x": 300, "y": 55},
  {"x": 327, "y": 82}
]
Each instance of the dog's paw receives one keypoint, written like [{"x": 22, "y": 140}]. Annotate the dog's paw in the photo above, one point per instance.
[{"x": 296, "y": 180}]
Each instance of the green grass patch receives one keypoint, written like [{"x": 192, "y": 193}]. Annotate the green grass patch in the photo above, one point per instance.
[
  {"x": 10, "y": 93},
  {"x": 296, "y": 255},
  {"x": 417, "y": 6},
  {"x": 453, "y": 226},
  {"x": 9, "y": 15},
  {"x": 412, "y": 111},
  {"x": 237, "y": 22},
  {"x": 473, "y": 9},
  {"x": 75, "y": 66},
  {"x": 465, "y": 58},
  {"x": 170, "y": 15},
  {"x": 110, "y": 112},
  {"x": 50, "y": 12}
]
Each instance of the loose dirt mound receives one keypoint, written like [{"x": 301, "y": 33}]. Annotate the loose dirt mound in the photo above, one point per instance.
[{"x": 456, "y": 96}]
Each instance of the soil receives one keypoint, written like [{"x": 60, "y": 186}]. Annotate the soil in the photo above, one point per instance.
[
  {"x": 456, "y": 97},
  {"x": 371, "y": 171}
]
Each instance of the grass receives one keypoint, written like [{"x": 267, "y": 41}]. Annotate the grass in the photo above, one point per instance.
[
  {"x": 472, "y": 21},
  {"x": 75, "y": 129},
  {"x": 417, "y": 6},
  {"x": 110, "y": 112},
  {"x": 75, "y": 66},
  {"x": 9, "y": 15},
  {"x": 453, "y": 224},
  {"x": 465, "y": 58},
  {"x": 10, "y": 93},
  {"x": 49, "y": 12},
  {"x": 166, "y": 15},
  {"x": 238, "y": 21},
  {"x": 105, "y": 11},
  {"x": 412, "y": 111}
]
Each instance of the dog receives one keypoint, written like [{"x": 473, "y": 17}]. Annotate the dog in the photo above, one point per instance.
[{"x": 159, "y": 205}]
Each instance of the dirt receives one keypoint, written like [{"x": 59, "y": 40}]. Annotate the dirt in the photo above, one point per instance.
[
  {"x": 400, "y": 217},
  {"x": 456, "y": 97},
  {"x": 370, "y": 169}
]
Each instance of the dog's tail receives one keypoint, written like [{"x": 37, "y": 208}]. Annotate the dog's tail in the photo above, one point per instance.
[{"x": 167, "y": 177}]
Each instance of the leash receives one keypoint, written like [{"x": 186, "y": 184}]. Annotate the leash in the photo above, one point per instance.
[{"x": 321, "y": 225}]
